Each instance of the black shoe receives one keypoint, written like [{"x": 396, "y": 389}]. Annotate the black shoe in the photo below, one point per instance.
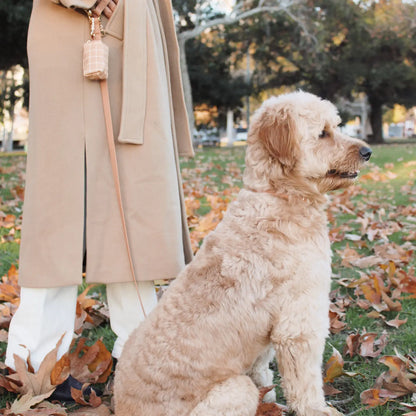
[{"x": 62, "y": 392}]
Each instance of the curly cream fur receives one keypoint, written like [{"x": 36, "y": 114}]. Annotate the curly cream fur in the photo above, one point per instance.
[{"x": 261, "y": 278}]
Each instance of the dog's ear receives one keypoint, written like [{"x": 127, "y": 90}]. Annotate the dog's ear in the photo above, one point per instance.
[{"x": 278, "y": 132}]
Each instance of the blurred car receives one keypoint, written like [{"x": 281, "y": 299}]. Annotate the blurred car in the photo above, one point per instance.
[
  {"x": 206, "y": 138},
  {"x": 241, "y": 134}
]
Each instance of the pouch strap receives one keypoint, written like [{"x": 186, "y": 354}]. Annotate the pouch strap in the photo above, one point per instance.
[
  {"x": 114, "y": 167},
  {"x": 96, "y": 34}
]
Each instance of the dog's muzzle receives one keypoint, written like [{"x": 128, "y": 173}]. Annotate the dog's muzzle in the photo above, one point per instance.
[{"x": 365, "y": 153}]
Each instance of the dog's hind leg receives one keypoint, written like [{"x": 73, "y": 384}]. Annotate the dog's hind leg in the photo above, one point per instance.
[
  {"x": 236, "y": 396},
  {"x": 261, "y": 374}
]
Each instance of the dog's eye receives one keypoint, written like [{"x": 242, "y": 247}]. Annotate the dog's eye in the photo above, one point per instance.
[{"x": 324, "y": 134}]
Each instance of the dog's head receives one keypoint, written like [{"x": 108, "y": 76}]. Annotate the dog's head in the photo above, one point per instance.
[{"x": 295, "y": 137}]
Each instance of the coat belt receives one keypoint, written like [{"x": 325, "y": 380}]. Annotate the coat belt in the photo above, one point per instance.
[{"x": 134, "y": 72}]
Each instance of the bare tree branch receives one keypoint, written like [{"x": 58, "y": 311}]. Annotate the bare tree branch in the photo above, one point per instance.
[
  {"x": 239, "y": 14},
  {"x": 241, "y": 10}
]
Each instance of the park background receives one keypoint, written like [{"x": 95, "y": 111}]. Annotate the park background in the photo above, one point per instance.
[{"x": 234, "y": 54}]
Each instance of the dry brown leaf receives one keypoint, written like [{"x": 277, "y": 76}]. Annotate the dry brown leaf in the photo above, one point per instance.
[
  {"x": 393, "y": 252},
  {"x": 348, "y": 255},
  {"x": 88, "y": 311},
  {"x": 61, "y": 370},
  {"x": 26, "y": 402},
  {"x": 269, "y": 409},
  {"x": 90, "y": 364},
  {"x": 331, "y": 390},
  {"x": 392, "y": 305},
  {"x": 336, "y": 325},
  {"x": 39, "y": 383},
  {"x": 405, "y": 382},
  {"x": 394, "y": 363},
  {"x": 396, "y": 322},
  {"x": 50, "y": 409},
  {"x": 334, "y": 367},
  {"x": 376, "y": 315},
  {"x": 7, "y": 310},
  {"x": 363, "y": 304},
  {"x": 409, "y": 406},
  {"x": 371, "y": 398},
  {"x": 370, "y": 347},
  {"x": 4, "y": 335},
  {"x": 371, "y": 294},
  {"x": 9, "y": 287},
  {"x": 79, "y": 397},
  {"x": 365, "y": 262},
  {"x": 103, "y": 361},
  {"x": 88, "y": 411},
  {"x": 352, "y": 344},
  {"x": 10, "y": 384}
]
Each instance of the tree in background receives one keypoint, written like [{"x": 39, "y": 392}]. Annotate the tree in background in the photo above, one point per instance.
[
  {"x": 211, "y": 73},
  {"x": 14, "y": 20},
  {"x": 360, "y": 47},
  {"x": 387, "y": 55},
  {"x": 332, "y": 48},
  {"x": 194, "y": 17}
]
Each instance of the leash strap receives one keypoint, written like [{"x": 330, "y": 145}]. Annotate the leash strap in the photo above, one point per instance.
[
  {"x": 96, "y": 30},
  {"x": 114, "y": 168}
]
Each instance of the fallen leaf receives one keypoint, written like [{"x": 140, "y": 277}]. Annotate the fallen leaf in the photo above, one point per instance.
[
  {"x": 394, "y": 363},
  {"x": 269, "y": 409},
  {"x": 90, "y": 364},
  {"x": 371, "y": 397},
  {"x": 61, "y": 370},
  {"x": 35, "y": 384},
  {"x": 4, "y": 335},
  {"x": 396, "y": 323},
  {"x": 79, "y": 397},
  {"x": 331, "y": 390},
  {"x": 334, "y": 367},
  {"x": 352, "y": 344},
  {"x": 101, "y": 410},
  {"x": 370, "y": 347},
  {"x": 26, "y": 402}
]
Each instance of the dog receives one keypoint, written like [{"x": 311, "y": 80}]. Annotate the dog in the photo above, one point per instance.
[{"x": 261, "y": 279}]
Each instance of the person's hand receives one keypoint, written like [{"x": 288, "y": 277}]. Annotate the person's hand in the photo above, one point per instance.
[{"x": 105, "y": 7}]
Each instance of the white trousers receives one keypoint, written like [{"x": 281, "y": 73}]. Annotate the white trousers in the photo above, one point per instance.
[{"x": 44, "y": 315}]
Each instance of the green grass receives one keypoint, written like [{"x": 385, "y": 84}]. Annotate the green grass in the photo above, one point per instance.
[{"x": 213, "y": 172}]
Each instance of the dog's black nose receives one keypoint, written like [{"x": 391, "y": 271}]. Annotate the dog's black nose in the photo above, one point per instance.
[{"x": 365, "y": 153}]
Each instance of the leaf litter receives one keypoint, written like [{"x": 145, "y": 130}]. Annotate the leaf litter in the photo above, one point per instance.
[{"x": 363, "y": 224}]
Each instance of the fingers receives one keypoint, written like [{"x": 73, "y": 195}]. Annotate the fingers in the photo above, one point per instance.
[
  {"x": 105, "y": 7},
  {"x": 108, "y": 11}
]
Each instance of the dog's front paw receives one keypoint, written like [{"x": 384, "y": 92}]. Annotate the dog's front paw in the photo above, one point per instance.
[
  {"x": 323, "y": 411},
  {"x": 330, "y": 411}
]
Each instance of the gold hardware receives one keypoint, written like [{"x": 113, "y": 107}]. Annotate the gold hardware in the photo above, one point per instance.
[{"x": 94, "y": 20}]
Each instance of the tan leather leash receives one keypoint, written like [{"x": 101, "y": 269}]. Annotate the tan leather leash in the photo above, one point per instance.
[{"x": 94, "y": 17}]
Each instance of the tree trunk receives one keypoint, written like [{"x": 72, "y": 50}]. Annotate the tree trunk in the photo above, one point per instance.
[
  {"x": 8, "y": 145},
  {"x": 230, "y": 127},
  {"x": 187, "y": 90},
  {"x": 376, "y": 120}
]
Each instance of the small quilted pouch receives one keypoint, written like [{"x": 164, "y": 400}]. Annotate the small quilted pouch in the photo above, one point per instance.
[
  {"x": 95, "y": 57},
  {"x": 95, "y": 60}
]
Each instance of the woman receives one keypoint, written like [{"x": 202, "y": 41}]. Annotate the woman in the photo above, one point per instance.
[{"x": 71, "y": 209}]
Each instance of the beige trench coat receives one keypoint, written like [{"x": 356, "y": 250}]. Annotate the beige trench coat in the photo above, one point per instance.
[{"x": 68, "y": 169}]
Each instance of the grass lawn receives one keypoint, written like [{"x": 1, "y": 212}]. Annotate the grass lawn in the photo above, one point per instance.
[{"x": 372, "y": 224}]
